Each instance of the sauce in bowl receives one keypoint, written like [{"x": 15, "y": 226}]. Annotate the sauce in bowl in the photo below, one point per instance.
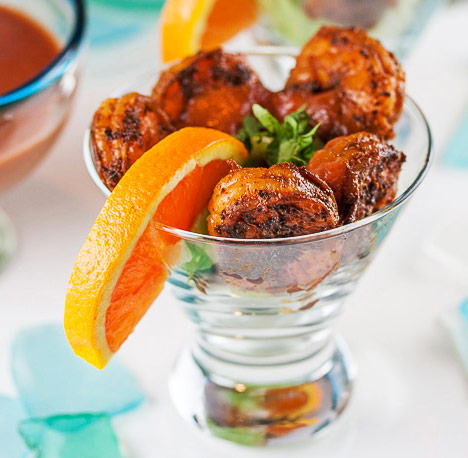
[
  {"x": 26, "y": 48},
  {"x": 29, "y": 126}
]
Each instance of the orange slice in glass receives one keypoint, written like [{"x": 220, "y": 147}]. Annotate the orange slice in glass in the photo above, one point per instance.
[
  {"x": 190, "y": 25},
  {"x": 122, "y": 266}
]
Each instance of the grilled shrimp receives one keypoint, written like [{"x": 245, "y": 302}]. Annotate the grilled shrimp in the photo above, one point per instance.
[
  {"x": 282, "y": 201},
  {"x": 211, "y": 89},
  {"x": 363, "y": 172},
  {"x": 348, "y": 82},
  {"x": 121, "y": 131}
]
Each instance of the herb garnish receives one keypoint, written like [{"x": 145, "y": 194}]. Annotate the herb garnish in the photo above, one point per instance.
[
  {"x": 200, "y": 261},
  {"x": 273, "y": 142}
]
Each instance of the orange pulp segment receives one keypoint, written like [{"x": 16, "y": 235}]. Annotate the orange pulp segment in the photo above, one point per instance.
[{"x": 123, "y": 264}]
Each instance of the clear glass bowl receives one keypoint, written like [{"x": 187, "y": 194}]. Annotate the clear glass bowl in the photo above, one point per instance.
[
  {"x": 32, "y": 115},
  {"x": 397, "y": 23},
  {"x": 267, "y": 365}
]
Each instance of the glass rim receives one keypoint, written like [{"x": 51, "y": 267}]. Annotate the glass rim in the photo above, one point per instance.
[
  {"x": 337, "y": 231},
  {"x": 57, "y": 66}
]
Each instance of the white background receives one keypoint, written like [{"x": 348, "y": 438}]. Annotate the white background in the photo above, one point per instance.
[{"x": 411, "y": 397}]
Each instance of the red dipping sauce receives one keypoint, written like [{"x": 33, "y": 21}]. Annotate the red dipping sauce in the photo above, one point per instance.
[
  {"x": 28, "y": 127},
  {"x": 26, "y": 48}
]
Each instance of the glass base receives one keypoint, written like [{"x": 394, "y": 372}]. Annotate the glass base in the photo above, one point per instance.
[
  {"x": 262, "y": 405},
  {"x": 7, "y": 239}
]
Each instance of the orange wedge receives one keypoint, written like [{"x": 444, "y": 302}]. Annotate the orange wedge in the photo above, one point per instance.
[
  {"x": 122, "y": 265},
  {"x": 190, "y": 25}
]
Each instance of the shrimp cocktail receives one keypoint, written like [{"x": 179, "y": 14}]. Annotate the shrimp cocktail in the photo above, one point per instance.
[{"x": 260, "y": 209}]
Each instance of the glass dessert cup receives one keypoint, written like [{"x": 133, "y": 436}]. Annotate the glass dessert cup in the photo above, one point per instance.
[
  {"x": 33, "y": 115},
  {"x": 266, "y": 365},
  {"x": 397, "y": 23}
]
